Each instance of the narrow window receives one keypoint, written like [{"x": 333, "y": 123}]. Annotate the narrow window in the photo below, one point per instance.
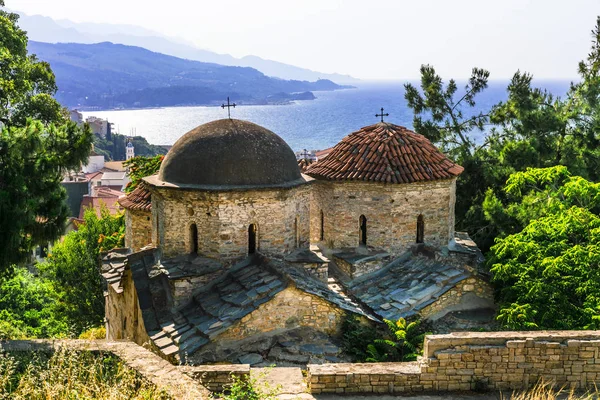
[
  {"x": 363, "y": 230},
  {"x": 252, "y": 239},
  {"x": 322, "y": 235},
  {"x": 193, "y": 239},
  {"x": 420, "y": 229}
]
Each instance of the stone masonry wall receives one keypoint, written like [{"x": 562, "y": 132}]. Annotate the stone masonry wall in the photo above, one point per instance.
[
  {"x": 138, "y": 229},
  {"x": 391, "y": 212},
  {"x": 223, "y": 218},
  {"x": 458, "y": 298},
  {"x": 123, "y": 316},
  {"x": 290, "y": 308},
  {"x": 474, "y": 361}
]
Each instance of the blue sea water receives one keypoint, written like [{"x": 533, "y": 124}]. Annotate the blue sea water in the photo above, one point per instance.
[{"x": 315, "y": 124}]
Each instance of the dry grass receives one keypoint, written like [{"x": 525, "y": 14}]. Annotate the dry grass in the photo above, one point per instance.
[
  {"x": 71, "y": 375},
  {"x": 544, "y": 391}
]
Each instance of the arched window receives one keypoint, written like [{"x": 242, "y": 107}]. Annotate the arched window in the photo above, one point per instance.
[
  {"x": 363, "y": 230},
  {"x": 420, "y": 229},
  {"x": 322, "y": 234},
  {"x": 193, "y": 239},
  {"x": 252, "y": 239}
]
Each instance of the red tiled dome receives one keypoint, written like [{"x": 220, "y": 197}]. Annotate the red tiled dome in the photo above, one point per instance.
[{"x": 385, "y": 153}]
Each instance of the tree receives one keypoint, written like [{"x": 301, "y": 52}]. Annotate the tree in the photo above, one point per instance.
[
  {"x": 34, "y": 154},
  {"x": 140, "y": 167},
  {"x": 546, "y": 272},
  {"x": 33, "y": 160},
  {"x": 532, "y": 128},
  {"x": 26, "y": 84},
  {"x": 73, "y": 268}
]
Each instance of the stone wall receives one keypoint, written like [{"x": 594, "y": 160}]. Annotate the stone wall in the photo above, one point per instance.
[
  {"x": 216, "y": 378},
  {"x": 170, "y": 379},
  {"x": 471, "y": 293},
  {"x": 474, "y": 361},
  {"x": 138, "y": 229},
  {"x": 289, "y": 308},
  {"x": 123, "y": 316},
  {"x": 391, "y": 212},
  {"x": 223, "y": 218}
]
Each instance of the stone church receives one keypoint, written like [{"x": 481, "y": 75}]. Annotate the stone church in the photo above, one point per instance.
[{"x": 233, "y": 254}]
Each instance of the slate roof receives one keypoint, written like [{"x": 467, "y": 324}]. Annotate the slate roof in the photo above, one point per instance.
[
  {"x": 138, "y": 200},
  {"x": 385, "y": 153},
  {"x": 113, "y": 266},
  {"x": 215, "y": 306},
  {"x": 407, "y": 285}
]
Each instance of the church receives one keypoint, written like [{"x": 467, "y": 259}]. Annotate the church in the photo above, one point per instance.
[{"x": 233, "y": 254}]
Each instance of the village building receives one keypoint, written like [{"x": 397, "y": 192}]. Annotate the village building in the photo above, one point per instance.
[{"x": 233, "y": 254}]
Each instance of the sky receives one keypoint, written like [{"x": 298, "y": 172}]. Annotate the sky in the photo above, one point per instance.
[{"x": 385, "y": 39}]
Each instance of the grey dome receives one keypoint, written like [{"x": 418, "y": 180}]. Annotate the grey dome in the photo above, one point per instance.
[{"x": 230, "y": 152}]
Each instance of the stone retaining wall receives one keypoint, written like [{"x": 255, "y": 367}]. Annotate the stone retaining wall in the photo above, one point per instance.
[
  {"x": 159, "y": 372},
  {"x": 216, "y": 378},
  {"x": 474, "y": 361}
]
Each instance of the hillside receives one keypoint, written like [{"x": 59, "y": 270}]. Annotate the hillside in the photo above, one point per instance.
[
  {"x": 108, "y": 75},
  {"x": 45, "y": 29}
]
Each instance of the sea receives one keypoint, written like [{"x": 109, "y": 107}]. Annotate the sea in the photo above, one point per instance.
[{"x": 310, "y": 124}]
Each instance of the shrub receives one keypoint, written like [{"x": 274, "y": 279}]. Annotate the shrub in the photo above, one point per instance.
[{"x": 403, "y": 342}]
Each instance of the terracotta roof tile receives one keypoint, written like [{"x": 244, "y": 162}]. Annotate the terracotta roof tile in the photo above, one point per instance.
[
  {"x": 385, "y": 153},
  {"x": 304, "y": 163},
  {"x": 139, "y": 199}
]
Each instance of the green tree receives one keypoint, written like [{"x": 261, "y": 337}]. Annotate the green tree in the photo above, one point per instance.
[
  {"x": 27, "y": 308},
  {"x": 532, "y": 128},
  {"x": 26, "y": 84},
  {"x": 37, "y": 146},
  {"x": 73, "y": 267},
  {"x": 33, "y": 160},
  {"x": 140, "y": 167},
  {"x": 545, "y": 273}
]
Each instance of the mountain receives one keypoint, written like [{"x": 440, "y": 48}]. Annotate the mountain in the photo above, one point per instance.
[
  {"x": 108, "y": 75},
  {"x": 45, "y": 29}
]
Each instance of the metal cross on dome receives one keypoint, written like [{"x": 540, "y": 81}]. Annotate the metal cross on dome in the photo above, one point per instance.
[
  {"x": 382, "y": 114},
  {"x": 228, "y": 105}
]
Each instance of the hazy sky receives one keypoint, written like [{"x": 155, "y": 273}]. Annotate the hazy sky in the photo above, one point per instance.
[{"x": 385, "y": 39}]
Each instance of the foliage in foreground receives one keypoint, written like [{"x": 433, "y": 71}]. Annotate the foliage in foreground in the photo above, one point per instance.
[
  {"x": 250, "y": 388},
  {"x": 71, "y": 375},
  {"x": 547, "y": 273},
  {"x": 66, "y": 297},
  {"x": 543, "y": 391},
  {"x": 401, "y": 341}
]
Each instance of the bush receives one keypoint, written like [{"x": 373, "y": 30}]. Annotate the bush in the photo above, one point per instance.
[
  {"x": 250, "y": 388},
  {"x": 356, "y": 336},
  {"x": 403, "y": 342},
  {"x": 94, "y": 334}
]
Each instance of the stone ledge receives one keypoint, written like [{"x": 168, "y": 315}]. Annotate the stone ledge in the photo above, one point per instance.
[
  {"x": 216, "y": 377},
  {"x": 434, "y": 343},
  {"x": 159, "y": 372}
]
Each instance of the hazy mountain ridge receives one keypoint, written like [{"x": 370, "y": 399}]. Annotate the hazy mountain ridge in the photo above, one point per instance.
[
  {"x": 45, "y": 29},
  {"x": 108, "y": 75}
]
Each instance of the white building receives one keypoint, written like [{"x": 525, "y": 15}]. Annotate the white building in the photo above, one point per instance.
[{"x": 130, "y": 153}]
